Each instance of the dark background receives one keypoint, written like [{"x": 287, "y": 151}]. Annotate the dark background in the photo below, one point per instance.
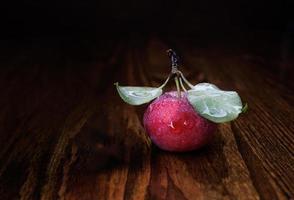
[
  {"x": 264, "y": 28},
  {"x": 35, "y": 18}
]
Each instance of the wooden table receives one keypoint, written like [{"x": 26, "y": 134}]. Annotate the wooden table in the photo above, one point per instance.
[{"x": 66, "y": 134}]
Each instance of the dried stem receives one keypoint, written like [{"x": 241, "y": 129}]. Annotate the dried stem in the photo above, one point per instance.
[
  {"x": 178, "y": 86},
  {"x": 182, "y": 85}
]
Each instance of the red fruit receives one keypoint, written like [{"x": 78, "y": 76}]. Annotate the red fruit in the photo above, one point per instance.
[{"x": 173, "y": 124}]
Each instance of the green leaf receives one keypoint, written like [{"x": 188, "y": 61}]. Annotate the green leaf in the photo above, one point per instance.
[
  {"x": 138, "y": 95},
  {"x": 214, "y": 104}
]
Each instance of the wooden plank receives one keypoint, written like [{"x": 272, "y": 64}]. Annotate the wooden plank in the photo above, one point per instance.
[
  {"x": 265, "y": 134},
  {"x": 217, "y": 171},
  {"x": 44, "y": 101},
  {"x": 76, "y": 139}
]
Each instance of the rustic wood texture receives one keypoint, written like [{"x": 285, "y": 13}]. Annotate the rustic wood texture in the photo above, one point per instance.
[{"x": 66, "y": 134}]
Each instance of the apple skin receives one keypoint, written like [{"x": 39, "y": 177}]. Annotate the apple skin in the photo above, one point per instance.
[{"x": 173, "y": 124}]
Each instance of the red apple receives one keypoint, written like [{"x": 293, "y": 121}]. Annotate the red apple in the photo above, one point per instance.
[{"x": 173, "y": 124}]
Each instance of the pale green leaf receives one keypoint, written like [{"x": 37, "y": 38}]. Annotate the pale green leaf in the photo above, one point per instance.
[
  {"x": 214, "y": 104},
  {"x": 138, "y": 95}
]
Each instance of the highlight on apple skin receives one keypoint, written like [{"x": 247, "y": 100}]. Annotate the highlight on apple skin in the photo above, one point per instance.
[{"x": 173, "y": 124}]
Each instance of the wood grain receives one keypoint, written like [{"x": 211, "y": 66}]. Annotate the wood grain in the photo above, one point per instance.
[
  {"x": 66, "y": 134},
  {"x": 262, "y": 134}
]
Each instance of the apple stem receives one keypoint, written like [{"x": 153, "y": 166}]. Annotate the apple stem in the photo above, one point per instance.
[
  {"x": 174, "y": 60},
  {"x": 178, "y": 86},
  {"x": 166, "y": 81},
  {"x": 174, "y": 65},
  {"x": 185, "y": 80},
  {"x": 182, "y": 85}
]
